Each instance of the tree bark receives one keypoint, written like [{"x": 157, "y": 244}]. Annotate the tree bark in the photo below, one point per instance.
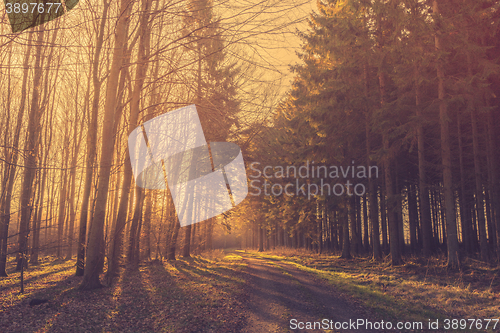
[
  {"x": 91, "y": 145},
  {"x": 31, "y": 151},
  {"x": 451, "y": 226},
  {"x": 62, "y": 195},
  {"x": 465, "y": 215},
  {"x": 493, "y": 179},
  {"x": 141, "y": 69},
  {"x": 96, "y": 240},
  {"x": 483, "y": 242},
  {"x": 423, "y": 192},
  {"x": 352, "y": 220},
  {"x": 346, "y": 246},
  {"x": 12, "y": 158},
  {"x": 147, "y": 224},
  {"x": 187, "y": 242},
  {"x": 171, "y": 246},
  {"x": 413, "y": 218}
]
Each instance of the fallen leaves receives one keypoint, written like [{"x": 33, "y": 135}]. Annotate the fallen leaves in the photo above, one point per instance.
[{"x": 195, "y": 295}]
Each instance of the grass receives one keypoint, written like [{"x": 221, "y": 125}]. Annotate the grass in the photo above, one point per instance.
[
  {"x": 206, "y": 293},
  {"x": 419, "y": 290},
  {"x": 202, "y": 293}
]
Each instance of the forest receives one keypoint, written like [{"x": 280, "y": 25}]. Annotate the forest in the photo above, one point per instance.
[
  {"x": 412, "y": 88},
  {"x": 368, "y": 129}
]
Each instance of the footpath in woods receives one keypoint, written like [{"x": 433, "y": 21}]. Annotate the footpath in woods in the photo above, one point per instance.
[
  {"x": 230, "y": 292},
  {"x": 247, "y": 291},
  {"x": 282, "y": 296}
]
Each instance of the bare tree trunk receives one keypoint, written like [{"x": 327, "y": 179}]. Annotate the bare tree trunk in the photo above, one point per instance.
[
  {"x": 133, "y": 258},
  {"x": 137, "y": 255},
  {"x": 147, "y": 224},
  {"x": 187, "y": 242},
  {"x": 210, "y": 222},
  {"x": 35, "y": 247},
  {"x": 91, "y": 145},
  {"x": 141, "y": 69},
  {"x": 62, "y": 195},
  {"x": 77, "y": 139},
  {"x": 171, "y": 246},
  {"x": 31, "y": 154},
  {"x": 96, "y": 241},
  {"x": 47, "y": 93},
  {"x": 4, "y": 232},
  {"x": 12, "y": 158},
  {"x": 193, "y": 238},
  {"x": 159, "y": 252}
]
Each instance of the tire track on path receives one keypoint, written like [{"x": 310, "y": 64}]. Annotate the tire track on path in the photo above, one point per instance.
[{"x": 280, "y": 292}]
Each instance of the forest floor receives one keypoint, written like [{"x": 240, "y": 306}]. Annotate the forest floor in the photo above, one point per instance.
[
  {"x": 200, "y": 294},
  {"x": 418, "y": 291},
  {"x": 247, "y": 291}
]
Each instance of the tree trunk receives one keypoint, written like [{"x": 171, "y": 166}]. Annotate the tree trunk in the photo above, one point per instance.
[
  {"x": 187, "y": 242},
  {"x": 210, "y": 222},
  {"x": 372, "y": 198},
  {"x": 366, "y": 241},
  {"x": 383, "y": 219},
  {"x": 483, "y": 242},
  {"x": 392, "y": 218},
  {"x": 96, "y": 241},
  {"x": 413, "y": 218},
  {"x": 119, "y": 225},
  {"x": 352, "y": 220},
  {"x": 11, "y": 162},
  {"x": 132, "y": 255},
  {"x": 391, "y": 213},
  {"x": 465, "y": 216},
  {"x": 451, "y": 224},
  {"x": 35, "y": 247},
  {"x": 493, "y": 179},
  {"x": 31, "y": 154},
  {"x": 261, "y": 238},
  {"x": 346, "y": 246},
  {"x": 147, "y": 224},
  {"x": 171, "y": 246},
  {"x": 91, "y": 145},
  {"x": 62, "y": 195},
  {"x": 322, "y": 224}
]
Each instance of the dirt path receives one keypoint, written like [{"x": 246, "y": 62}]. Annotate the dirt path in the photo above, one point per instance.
[{"x": 279, "y": 293}]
